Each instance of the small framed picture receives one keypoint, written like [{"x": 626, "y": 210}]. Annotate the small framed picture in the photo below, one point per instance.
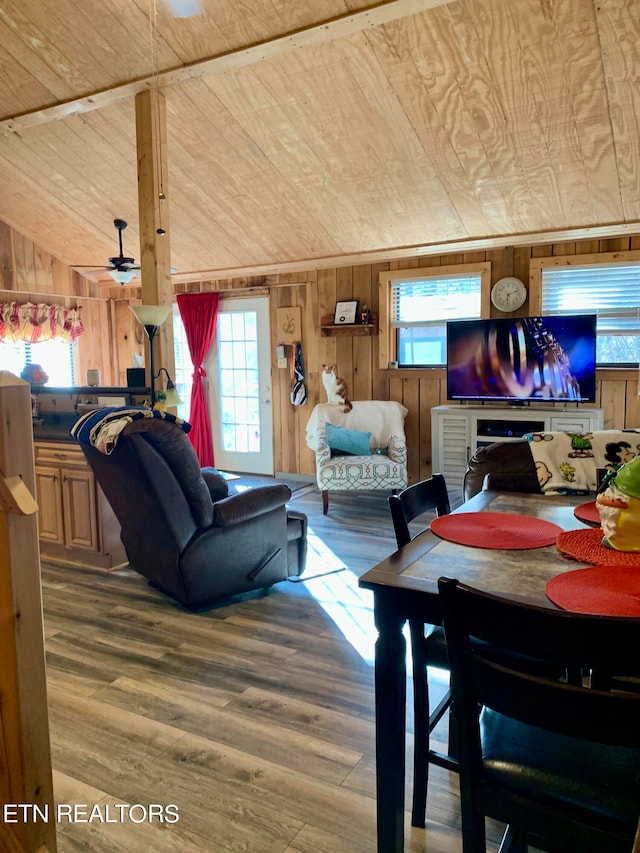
[{"x": 346, "y": 312}]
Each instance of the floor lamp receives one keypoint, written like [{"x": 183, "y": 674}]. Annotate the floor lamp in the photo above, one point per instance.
[{"x": 151, "y": 317}]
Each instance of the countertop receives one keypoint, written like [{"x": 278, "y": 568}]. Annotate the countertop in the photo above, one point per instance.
[{"x": 54, "y": 427}]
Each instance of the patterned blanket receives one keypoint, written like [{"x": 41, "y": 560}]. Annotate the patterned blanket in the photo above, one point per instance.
[
  {"x": 567, "y": 462},
  {"x": 102, "y": 427},
  {"x": 382, "y": 418}
]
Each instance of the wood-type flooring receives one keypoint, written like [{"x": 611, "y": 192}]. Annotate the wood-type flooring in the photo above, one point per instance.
[{"x": 255, "y": 719}]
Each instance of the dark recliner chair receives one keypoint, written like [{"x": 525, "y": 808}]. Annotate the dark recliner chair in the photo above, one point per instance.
[
  {"x": 181, "y": 527},
  {"x": 509, "y": 465}
]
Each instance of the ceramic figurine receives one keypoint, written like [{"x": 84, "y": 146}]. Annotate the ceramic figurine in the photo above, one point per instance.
[
  {"x": 34, "y": 374},
  {"x": 619, "y": 508}
]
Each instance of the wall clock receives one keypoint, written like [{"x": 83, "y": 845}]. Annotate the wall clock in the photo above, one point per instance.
[{"x": 508, "y": 294}]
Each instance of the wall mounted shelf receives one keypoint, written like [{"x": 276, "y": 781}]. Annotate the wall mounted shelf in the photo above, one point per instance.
[{"x": 328, "y": 329}]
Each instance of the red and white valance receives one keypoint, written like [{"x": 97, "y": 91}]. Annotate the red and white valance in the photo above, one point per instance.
[{"x": 33, "y": 322}]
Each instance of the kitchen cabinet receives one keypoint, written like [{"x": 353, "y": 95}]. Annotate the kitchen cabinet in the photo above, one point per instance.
[{"x": 75, "y": 522}]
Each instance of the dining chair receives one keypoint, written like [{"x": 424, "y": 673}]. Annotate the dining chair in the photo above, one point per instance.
[
  {"x": 428, "y": 646},
  {"x": 557, "y": 762}
]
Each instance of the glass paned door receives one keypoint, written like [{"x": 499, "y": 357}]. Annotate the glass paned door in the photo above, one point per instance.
[{"x": 240, "y": 404}]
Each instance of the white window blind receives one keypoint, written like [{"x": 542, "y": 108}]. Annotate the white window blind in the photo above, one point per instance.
[
  {"x": 612, "y": 292},
  {"x": 420, "y": 309},
  {"x": 435, "y": 299}
]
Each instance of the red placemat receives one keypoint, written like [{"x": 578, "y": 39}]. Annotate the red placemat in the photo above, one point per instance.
[
  {"x": 605, "y": 590},
  {"x": 499, "y": 530},
  {"x": 586, "y": 545},
  {"x": 588, "y": 513}
]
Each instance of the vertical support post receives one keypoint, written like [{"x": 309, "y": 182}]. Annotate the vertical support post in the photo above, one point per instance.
[
  {"x": 25, "y": 769},
  {"x": 153, "y": 213}
]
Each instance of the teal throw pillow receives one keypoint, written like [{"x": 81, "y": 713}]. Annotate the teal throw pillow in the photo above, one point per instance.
[{"x": 348, "y": 440}]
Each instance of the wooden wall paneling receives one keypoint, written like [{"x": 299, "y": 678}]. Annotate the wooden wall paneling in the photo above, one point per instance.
[
  {"x": 564, "y": 248},
  {"x": 79, "y": 284},
  {"x": 362, "y": 287},
  {"x": 632, "y": 405},
  {"x": 303, "y": 412},
  {"x": 411, "y": 399},
  {"x": 376, "y": 269},
  {"x": 362, "y": 387},
  {"x": 327, "y": 352},
  {"x": 91, "y": 351},
  {"x": 614, "y": 244},
  {"x": 586, "y": 247},
  {"x": 60, "y": 277},
  {"x": 498, "y": 266},
  {"x": 430, "y": 396},
  {"x": 308, "y": 300},
  {"x": 43, "y": 263},
  {"x": 476, "y": 257},
  {"x": 286, "y": 414},
  {"x": 286, "y": 436},
  {"x": 378, "y": 376},
  {"x": 311, "y": 339},
  {"x": 362, "y": 347},
  {"x": 521, "y": 256},
  {"x": 456, "y": 258},
  {"x": 128, "y": 339},
  {"x": 345, "y": 356},
  {"x": 395, "y": 388},
  {"x": 7, "y": 263},
  {"x": 23, "y": 253},
  {"x": 278, "y": 384},
  {"x": 541, "y": 251},
  {"x": 613, "y": 400},
  {"x": 426, "y": 261},
  {"x": 384, "y": 354}
]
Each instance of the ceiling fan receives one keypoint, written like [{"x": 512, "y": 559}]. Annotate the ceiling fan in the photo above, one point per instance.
[{"x": 122, "y": 268}]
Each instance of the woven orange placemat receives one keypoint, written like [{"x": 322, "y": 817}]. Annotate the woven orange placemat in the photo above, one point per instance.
[{"x": 586, "y": 546}]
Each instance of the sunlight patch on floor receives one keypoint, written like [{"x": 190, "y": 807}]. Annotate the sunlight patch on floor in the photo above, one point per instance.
[
  {"x": 336, "y": 590},
  {"x": 339, "y": 595}
]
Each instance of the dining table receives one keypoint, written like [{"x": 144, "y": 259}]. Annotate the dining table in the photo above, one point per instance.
[{"x": 405, "y": 587}]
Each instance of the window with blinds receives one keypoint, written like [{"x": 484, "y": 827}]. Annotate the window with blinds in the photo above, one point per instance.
[
  {"x": 420, "y": 310},
  {"x": 55, "y": 357},
  {"x": 612, "y": 292}
]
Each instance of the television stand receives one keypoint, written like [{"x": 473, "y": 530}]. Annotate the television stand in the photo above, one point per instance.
[{"x": 457, "y": 431}]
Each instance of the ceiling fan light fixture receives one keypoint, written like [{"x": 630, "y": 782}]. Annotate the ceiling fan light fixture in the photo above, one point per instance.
[{"x": 122, "y": 276}]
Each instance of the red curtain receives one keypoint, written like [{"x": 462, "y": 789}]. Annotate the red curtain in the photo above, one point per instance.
[{"x": 199, "y": 312}]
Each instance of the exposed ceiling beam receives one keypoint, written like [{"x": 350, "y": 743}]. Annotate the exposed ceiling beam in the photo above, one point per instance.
[
  {"x": 328, "y": 30},
  {"x": 379, "y": 256}
]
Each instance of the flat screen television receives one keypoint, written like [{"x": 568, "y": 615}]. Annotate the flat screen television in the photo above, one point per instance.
[{"x": 518, "y": 359}]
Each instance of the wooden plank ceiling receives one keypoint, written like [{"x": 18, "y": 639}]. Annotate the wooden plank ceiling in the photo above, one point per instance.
[{"x": 356, "y": 135}]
